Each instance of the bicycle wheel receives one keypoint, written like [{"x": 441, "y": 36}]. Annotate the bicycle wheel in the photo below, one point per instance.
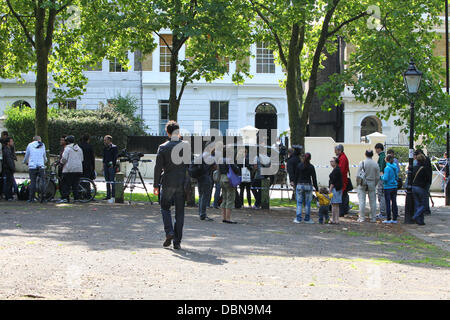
[
  {"x": 45, "y": 189},
  {"x": 87, "y": 190}
]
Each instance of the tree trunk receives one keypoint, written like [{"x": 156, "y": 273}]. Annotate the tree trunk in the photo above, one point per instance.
[
  {"x": 174, "y": 103},
  {"x": 41, "y": 122}
]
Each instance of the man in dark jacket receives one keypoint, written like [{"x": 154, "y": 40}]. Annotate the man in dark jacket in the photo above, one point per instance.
[
  {"x": 88, "y": 157},
  {"x": 110, "y": 154},
  {"x": 429, "y": 175},
  {"x": 292, "y": 162},
  {"x": 8, "y": 168},
  {"x": 169, "y": 180}
]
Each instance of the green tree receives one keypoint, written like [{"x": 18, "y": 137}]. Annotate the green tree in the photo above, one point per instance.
[
  {"x": 213, "y": 32},
  {"x": 55, "y": 39},
  {"x": 302, "y": 31}
]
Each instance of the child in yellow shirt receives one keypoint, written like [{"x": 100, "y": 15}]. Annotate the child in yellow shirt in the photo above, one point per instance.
[{"x": 324, "y": 197}]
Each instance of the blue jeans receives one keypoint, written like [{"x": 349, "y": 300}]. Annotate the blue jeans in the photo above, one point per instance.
[
  {"x": 204, "y": 186},
  {"x": 390, "y": 195},
  {"x": 110, "y": 175},
  {"x": 169, "y": 195},
  {"x": 420, "y": 197},
  {"x": 323, "y": 213},
  {"x": 304, "y": 194}
]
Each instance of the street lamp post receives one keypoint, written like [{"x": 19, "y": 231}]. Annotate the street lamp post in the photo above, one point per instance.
[
  {"x": 447, "y": 70},
  {"x": 412, "y": 78}
]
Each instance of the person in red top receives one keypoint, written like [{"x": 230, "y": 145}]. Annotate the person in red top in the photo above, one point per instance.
[{"x": 343, "y": 165}]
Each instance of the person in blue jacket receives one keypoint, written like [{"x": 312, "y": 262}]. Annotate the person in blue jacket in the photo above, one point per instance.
[{"x": 389, "y": 179}]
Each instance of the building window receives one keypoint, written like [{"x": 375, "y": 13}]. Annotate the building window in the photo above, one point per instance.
[
  {"x": 164, "y": 52},
  {"x": 264, "y": 59},
  {"x": 68, "y": 104},
  {"x": 115, "y": 66},
  {"x": 219, "y": 116},
  {"x": 163, "y": 116}
]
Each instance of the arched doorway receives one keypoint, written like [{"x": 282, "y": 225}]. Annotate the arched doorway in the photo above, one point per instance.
[
  {"x": 266, "y": 116},
  {"x": 370, "y": 125},
  {"x": 21, "y": 104}
]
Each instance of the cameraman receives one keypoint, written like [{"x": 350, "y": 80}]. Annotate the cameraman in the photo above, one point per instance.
[{"x": 110, "y": 153}]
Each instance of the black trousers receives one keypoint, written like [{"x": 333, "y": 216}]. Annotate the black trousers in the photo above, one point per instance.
[
  {"x": 256, "y": 190},
  {"x": 169, "y": 195},
  {"x": 70, "y": 182},
  {"x": 9, "y": 183},
  {"x": 344, "y": 206},
  {"x": 245, "y": 186}
]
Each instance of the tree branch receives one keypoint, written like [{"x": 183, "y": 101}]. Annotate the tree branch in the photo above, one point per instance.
[
  {"x": 165, "y": 42},
  {"x": 27, "y": 33},
  {"x": 50, "y": 28},
  {"x": 362, "y": 14},
  {"x": 63, "y": 7},
  {"x": 277, "y": 39}
]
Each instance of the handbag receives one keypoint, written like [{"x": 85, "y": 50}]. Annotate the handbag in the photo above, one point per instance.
[
  {"x": 233, "y": 178},
  {"x": 349, "y": 183}
]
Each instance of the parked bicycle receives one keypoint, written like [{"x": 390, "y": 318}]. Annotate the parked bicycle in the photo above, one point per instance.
[{"x": 47, "y": 185}]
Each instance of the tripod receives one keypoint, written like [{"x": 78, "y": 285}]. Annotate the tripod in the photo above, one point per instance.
[{"x": 131, "y": 180}]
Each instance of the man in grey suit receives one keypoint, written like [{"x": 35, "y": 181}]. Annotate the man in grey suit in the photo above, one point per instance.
[
  {"x": 371, "y": 172},
  {"x": 169, "y": 179}
]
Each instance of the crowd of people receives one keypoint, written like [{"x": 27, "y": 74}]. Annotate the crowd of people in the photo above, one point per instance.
[
  {"x": 75, "y": 160},
  {"x": 376, "y": 180}
]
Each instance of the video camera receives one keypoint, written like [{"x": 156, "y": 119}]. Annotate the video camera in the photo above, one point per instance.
[{"x": 130, "y": 156}]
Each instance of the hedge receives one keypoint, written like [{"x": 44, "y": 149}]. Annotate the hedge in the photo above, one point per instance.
[{"x": 97, "y": 123}]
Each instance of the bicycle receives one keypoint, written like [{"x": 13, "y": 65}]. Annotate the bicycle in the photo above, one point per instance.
[{"x": 46, "y": 189}]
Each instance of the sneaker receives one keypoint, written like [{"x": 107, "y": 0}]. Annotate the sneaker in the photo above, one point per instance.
[
  {"x": 62, "y": 201},
  {"x": 105, "y": 198},
  {"x": 394, "y": 221},
  {"x": 111, "y": 200},
  {"x": 296, "y": 221},
  {"x": 381, "y": 216},
  {"x": 206, "y": 218},
  {"x": 373, "y": 220},
  {"x": 360, "y": 220},
  {"x": 387, "y": 221},
  {"x": 176, "y": 246},
  {"x": 310, "y": 221}
]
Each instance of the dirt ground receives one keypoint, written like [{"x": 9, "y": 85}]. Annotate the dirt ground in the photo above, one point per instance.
[{"x": 103, "y": 251}]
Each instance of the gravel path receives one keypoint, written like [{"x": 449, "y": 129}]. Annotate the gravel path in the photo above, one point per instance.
[{"x": 100, "y": 251}]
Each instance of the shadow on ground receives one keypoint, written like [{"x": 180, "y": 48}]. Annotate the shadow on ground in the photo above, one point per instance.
[{"x": 102, "y": 227}]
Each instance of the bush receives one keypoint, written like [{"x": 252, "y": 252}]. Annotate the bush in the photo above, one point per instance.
[{"x": 97, "y": 123}]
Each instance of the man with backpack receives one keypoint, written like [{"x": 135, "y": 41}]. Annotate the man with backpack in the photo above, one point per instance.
[{"x": 367, "y": 179}]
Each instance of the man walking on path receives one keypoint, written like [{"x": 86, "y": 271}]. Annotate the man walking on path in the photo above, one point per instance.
[
  {"x": 169, "y": 179},
  {"x": 379, "y": 149},
  {"x": 344, "y": 166},
  {"x": 35, "y": 158}
]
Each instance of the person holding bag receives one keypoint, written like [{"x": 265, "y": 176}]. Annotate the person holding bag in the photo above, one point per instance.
[
  {"x": 367, "y": 180},
  {"x": 228, "y": 190}
]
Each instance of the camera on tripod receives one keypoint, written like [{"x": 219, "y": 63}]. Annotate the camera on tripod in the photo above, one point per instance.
[{"x": 130, "y": 156}]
